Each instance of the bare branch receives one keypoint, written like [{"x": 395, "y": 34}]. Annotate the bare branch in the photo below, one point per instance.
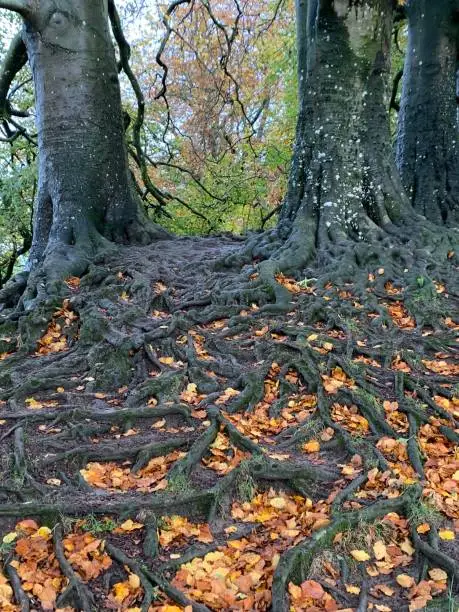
[
  {"x": 125, "y": 54},
  {"x": 162, "y": 93},
  {"x": 191, "y": 174},
  {"x": 159, "y": 61},
  {"x": 265, "y": 27}
]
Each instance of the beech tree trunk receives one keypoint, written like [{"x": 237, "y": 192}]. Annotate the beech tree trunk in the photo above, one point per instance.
[
  {"x": 85, "y": 192},
  {"x": 343, "y": 183},
  {"x": 427, "y": 142}
]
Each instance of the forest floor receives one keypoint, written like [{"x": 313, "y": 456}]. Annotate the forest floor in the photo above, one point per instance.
[{"x": 165, "y": 448}]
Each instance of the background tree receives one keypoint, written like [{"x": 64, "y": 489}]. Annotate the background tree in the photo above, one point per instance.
[
  {"x": 17, "y": 160},
  {"x": 345, "y": 205},
  {"x": 222, "y": 106},
  {"x": 343, "y": 183},
  {"x": 427, "y": 141},
  {"x": 235, "y": 186},
  {"x": 85, "y": 196}
]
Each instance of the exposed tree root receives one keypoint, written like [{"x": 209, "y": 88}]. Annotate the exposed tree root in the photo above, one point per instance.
[
  {"x": 177, "y": 386},
  {"x": 76, "y": 592}
]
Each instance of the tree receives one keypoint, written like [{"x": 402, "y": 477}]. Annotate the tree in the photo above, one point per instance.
[
  {"x": 311, "y": 406},
  {"x": 345, "y": 206},
  {"x": 343, "y": 183},
  {"x": 428, "y": 130},
  {"x": 225, "y": 111},
  {"x": 85, "y": 194}
]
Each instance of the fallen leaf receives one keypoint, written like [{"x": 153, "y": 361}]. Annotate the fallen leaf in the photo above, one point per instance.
[
  {"x": 438, "y": 574},
  {"x": 405, "y": 581},
  {"x": 446, "y": 534},
  {"x": 54, "y": 482},
  {"x": 360, "y": 555},
  {"x": 277, "y": 502},
  {"x": 166, "y": 360},
  {"x": 379, "y": 550},
  {"x": 9, "y": 537},
  {"x": 312, "y": 446},
  {"x": 129, "y": 525},
  {"x": 312, "y": 589}
]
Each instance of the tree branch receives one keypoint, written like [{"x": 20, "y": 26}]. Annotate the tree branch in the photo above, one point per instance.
[
  {"x": 186, "y": 171},
  {"x": 159, "y": 61},
  {"x": 15, "y": 60},
  {"x": 18, "y": 6},
  {"x": 125, "y": 54},
  {"x": 393, "y": 104}
]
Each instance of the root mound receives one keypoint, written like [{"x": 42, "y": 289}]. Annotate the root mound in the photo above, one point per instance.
[{"x": 167, "y": 448}]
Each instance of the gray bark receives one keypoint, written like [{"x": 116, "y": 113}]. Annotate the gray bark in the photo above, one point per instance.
[
  {"x": 85, "y": 193},
  {"x": 427, "y": 139},
  {"x": 343, "y": 181}
]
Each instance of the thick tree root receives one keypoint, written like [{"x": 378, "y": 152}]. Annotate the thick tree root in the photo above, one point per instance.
[{"x": 182, "y": 386}]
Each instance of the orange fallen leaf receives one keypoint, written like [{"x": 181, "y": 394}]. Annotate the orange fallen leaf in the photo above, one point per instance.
[
  {"x": 405, "y": 581},
  {"x": 312, "y": 446}
]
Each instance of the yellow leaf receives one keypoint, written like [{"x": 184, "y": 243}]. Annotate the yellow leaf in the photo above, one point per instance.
[
  {"x": 350, "y": 588},
  {"x": 406, "y": 547},
  {"x": 379, "y": 549},
  {"x": 60, "y": 390},
  {"x": 129, "y": 525},
  {"x": 295, "y": 591},
  {"x": 312, "y": 337},
  {"x": 43, "y": 532},
  {"x": 360, "y": 555},
  {"x": 446, "y": 534},
  {"x": 277, "y": 502},
  {"x": 32, "y": 403},
  {"x": 438, "y": 574},
  {"x": 405, "y": 581},
  {"x": 423, "y": 528},
  {"x": 10, "y": 537},
  {"x": 121, "y": 591},
  {"x": 6, "y": 594},
  {"x": 134, "y": 581},
  {"x": 166, "y": 360}
]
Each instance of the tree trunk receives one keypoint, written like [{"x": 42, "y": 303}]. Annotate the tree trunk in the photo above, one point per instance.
[
  {"x": 427, "y": 142},
  {"x": 343, "y": 183},
  {"x": 85, "y": 193}
]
